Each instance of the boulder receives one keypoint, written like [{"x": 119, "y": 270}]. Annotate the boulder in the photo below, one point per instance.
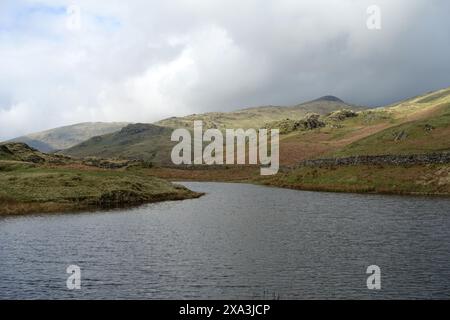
[{"x": 312, "y": 121}]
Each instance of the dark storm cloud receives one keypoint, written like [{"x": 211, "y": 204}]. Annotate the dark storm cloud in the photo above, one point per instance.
[{"x": 145, "y": 60}]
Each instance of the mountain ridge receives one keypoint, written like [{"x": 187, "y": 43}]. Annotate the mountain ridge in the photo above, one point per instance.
[
  {"x": 154, "y": 143},
  {"x": 347, "y": 130},
  {"x": 67, "y": 136},
  {"x": 340, "y": 129}
]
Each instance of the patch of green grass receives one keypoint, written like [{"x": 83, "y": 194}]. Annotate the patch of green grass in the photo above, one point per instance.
[
  {"x": 13, "y": 165},
  {"x": 435, "y": 96},
  {"x": 420, "y": 136},
  {"x": 415, "y": 179},
  {"x": 84, "y": 188}
]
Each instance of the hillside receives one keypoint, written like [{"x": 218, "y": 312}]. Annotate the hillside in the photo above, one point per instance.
[
  {"x": 326, "y": 127},
  {"x": 152, "y": 142},
  {"x": 412, "y": 128},
  {"x": 68, "y": 136},
  {"x": 420, "y": 125},
  {"x": 417, "y": 125},
  {"x": 257, "y": 117},
  {"x": 135, "y": 141}
]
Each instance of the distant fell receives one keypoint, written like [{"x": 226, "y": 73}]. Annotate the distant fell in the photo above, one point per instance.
[{"x": 68, "y": 136}]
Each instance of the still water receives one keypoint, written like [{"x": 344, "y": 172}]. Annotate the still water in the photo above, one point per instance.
[{"x": 237, "y": 242}]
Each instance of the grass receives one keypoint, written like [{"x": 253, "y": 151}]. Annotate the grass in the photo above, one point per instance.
[
  {"x": 417, "y": 125},
  {"x": 371, "y": 132},
  {"x": 28, "y": 189},
  {"x": 417, "y": 136},
  {"x": 389, "y": 179},
  {"x": 154, "y": 144},
  {"x": 35, "y": 182},
  {"x": 435, "y": 96},
  {"x": 218, "y": 174},
  {"x": 256, "y": 117},
  {"x": 404, "y": 128}
]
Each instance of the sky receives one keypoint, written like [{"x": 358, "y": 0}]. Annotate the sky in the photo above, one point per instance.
[{"x": 64, "y": 62}]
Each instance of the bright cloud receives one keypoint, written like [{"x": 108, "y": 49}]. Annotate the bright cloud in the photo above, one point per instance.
[{"x": 145, "y": 60}]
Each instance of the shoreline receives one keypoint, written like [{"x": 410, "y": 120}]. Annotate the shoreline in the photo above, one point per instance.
[
  {"x": 28, "y": 189},
  {"x": 37, "y": 208},
  {"x": 15, "y": 208},
  {"x": 413, "y": 180},
  {"x": 324, "y": 189},
  {"x": 47, "y": 190}
]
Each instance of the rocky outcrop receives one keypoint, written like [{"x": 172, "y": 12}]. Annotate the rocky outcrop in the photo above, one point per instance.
[
  {"x": 399, "y": 136},
  {"x": 5, "y": 152},
  {"x": 312, "y": 121},
  {"x": 19, "y": 151},
  {"x": 137, "y": 128},
  {"x": 341, "y": 115},
  {"x": 120, "y": 197},
  {"x": 309, "y": 122},
  {"x": 115, "y": 163}
]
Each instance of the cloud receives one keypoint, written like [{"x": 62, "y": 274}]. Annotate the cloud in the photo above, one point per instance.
[{"x": 146, "y": 60}]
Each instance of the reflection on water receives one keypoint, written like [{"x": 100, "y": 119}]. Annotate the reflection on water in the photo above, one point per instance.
[{"x": 237, "y": 242}]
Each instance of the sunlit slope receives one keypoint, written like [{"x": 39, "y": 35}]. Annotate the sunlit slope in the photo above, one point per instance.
[
  {"x": 151, "y": 142},
  {"x": 417, "y": 125},
  {"x": 421, "y": 125},
  {"x": 259, "y": 116}
]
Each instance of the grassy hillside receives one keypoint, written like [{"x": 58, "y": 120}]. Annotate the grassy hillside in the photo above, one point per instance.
[
  {"x": 152, "y": 142},
  {"x": 428, "y": 132},
  {"x": 32, "y": 181},
  {"x": 413, "y": 126},
  {"x": 418, "y": 125},
  {"x": 259, "y": 116},
  {"x": 68, "y": 136},
  {"x": 389, "y": 179}
]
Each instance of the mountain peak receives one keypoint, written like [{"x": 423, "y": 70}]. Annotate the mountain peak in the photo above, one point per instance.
[{"x": 329, "y": 98}]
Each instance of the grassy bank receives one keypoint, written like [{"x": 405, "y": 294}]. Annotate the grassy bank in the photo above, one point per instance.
[
  {"x": 30, "y": 188},
  {"x": 218, "y": 174},
  {"x": 387, "y": 179}
]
